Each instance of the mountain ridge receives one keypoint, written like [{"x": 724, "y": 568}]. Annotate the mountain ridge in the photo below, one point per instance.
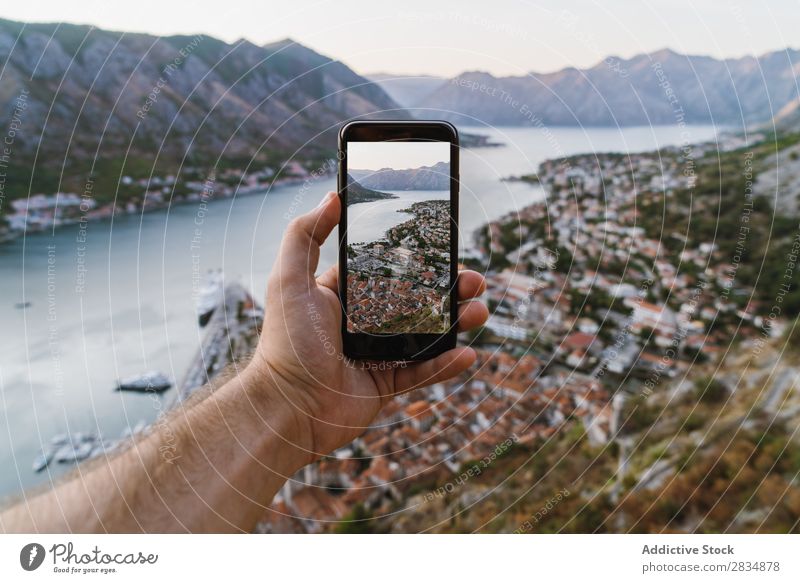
[
  {"x": 98, "y": 94},
  {"x": 636, "y": 91},
  {"x": 436, "y": 177}
]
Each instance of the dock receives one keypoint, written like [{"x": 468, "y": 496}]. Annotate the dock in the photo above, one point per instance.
[{"x": 231, "y": 335}]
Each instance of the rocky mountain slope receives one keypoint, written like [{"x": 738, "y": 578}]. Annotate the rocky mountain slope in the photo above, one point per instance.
[
  {"x": 659, "y": 88},
  {"x": 356, "y": 193},
  {"x": 93, "y": 93},
  {"x": 788, "y": 118}
]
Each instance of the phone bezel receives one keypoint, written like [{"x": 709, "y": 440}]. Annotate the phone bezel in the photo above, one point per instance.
[{"x": 397, "y": 347}]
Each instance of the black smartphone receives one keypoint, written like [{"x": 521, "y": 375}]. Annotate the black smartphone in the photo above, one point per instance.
[{"x": 398, "y": 238}]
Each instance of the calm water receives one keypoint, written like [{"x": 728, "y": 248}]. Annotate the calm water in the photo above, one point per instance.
[
  {"x": 131, "y": 309},
  {"x": 368, "y": 221}
]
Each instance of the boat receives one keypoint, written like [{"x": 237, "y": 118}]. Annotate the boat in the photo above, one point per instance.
[
  {"x": 84, "y": 450},
  {"x": 42, "y": 460},
  {"x": 152, "y": 381},
  {"x": 209, "y": 297},
  {"x": 65, "y": 454},
  {"x": 67, "y": 448},
  {"x": 60, "y": 439},
  {"x": 72, "y": 448}
]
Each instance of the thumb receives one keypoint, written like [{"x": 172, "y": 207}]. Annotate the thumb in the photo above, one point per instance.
[{"x": 299, "y": 253}]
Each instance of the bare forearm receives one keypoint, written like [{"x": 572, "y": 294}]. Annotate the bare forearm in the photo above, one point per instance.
[{"x": 211, "y": 467}]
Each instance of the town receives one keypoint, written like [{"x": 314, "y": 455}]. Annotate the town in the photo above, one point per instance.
[
  {"x": 40, "y": 212},
  {"x": 401, "y": 284},
  {"x": 590, "y": 310}
]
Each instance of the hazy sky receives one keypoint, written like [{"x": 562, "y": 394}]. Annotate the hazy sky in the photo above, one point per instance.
[
  {"x": 397, "y": 155},
  {"x": 446, "y": 37}
]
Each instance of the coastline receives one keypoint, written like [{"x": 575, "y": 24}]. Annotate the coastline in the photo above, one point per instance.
[
  {"x": 111, "y": 210},
  {"x": 153, "y": 200}
]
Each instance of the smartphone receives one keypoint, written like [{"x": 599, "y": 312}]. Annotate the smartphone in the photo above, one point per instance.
[{"x": 398, "y": 239}]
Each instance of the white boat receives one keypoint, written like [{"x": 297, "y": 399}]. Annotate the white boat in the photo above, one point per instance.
[
  {"x": 60, "y": 439},
  {"x": 42, "y": 460},
  {"x": 74, "y": 452},
  {"x": 80, "y": 437},
  {"x": 65, "y": 454},
  {"x": 209, "y": 296},
  {"x": 84, "y": 450},
  {"x": 70, "y": 448},
  {"x": 152, "y": 381}
]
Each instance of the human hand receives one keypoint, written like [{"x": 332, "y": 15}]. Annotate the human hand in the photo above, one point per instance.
[
  {"x": 297, "y": 399},
  {"x": 333, "y": 399}
]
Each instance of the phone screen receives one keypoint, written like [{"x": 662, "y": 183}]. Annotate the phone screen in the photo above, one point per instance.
[{"x": 398, "y": 237}]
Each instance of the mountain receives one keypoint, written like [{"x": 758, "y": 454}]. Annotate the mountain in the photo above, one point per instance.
[
  {"x": 356, "y": 193},
  {"x": 407, "y": 90},
  {"x": 658, "y": 88},
  {"x": 788, "y": 118},
  {"x": 93, "y": 93},
  {"x": 436, "y": 177}
]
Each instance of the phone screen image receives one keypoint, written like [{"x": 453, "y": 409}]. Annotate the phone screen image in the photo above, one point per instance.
[{"x": 398, "y": 237}]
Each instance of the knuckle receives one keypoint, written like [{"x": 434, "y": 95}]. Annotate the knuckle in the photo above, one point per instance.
[{"x": 296, "y": 226}]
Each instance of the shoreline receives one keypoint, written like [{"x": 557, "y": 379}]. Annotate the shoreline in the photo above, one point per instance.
[
  {"x": 111, "y": 211},
  {"x": 199, "y": 194}
]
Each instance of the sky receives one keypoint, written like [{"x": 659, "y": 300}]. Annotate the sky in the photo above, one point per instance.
[
  {"x": 447, "y": 37},
  {"x": 397, "y": 155}
]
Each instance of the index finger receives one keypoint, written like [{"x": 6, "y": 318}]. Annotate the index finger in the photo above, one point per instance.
[{"x": 471, "y": 284}]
